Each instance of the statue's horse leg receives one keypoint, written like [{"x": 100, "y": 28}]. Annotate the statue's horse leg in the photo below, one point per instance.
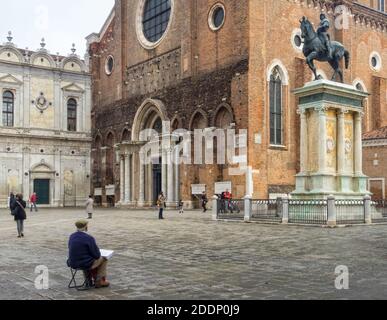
[
  {"x": 336, "y": 66},
  {"x": 309, "y": 61}
]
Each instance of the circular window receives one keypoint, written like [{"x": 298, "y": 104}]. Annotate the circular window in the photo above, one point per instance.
[
  {"x": 296, "y": 40},
  {"x": 217, "y": 17},
  {"x": 359, "y": 87},
  {"x": 153, "y": 20},
  {"x": 109, "y": 65},
  {"x": 375, "y": 61}
]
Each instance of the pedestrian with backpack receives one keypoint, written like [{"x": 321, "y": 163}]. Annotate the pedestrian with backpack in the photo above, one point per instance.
[{"x": 18, "y": 211}]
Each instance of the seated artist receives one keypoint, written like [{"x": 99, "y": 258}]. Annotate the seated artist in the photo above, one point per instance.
[{"x": 84, "y": 254}]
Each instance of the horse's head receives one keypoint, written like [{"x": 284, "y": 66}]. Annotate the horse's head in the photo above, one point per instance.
[{"x": 307, "y": 30}]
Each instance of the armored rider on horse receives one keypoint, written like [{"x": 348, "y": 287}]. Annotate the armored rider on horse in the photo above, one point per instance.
[{"x": 318, "y": 46}]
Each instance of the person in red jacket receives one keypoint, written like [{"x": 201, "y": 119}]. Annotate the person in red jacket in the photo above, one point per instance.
[
  {"x": 227, "y": 198},
  {"x": 33, "y": 200}
]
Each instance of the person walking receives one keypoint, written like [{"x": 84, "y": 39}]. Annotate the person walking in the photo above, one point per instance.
[
  {"x": 161, "y": 205},
  {"x": 181, "y": 207},
  {"x": 90, "y": 207},
  {"x": 33, "y": 200},
  {"x": 18, "y": 211},
  {"x": 204, "y": 202}
]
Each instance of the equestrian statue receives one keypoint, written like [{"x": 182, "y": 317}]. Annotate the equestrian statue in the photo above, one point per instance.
[{"x": 318, "y": 46}]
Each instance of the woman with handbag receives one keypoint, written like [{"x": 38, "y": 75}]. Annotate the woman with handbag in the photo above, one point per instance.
[{"x": 18, "y": 211}]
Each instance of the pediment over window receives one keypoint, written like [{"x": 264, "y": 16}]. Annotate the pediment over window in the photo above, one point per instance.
[
  {"x": 73, "y": 88},
  {"x": 10, "y": 79}
]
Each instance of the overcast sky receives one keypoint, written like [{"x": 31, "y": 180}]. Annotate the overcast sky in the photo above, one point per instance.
[{"x": 61, "y": 23}]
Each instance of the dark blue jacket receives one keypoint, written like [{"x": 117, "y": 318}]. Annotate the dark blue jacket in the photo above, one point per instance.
[{"x": 83, "y": 251}]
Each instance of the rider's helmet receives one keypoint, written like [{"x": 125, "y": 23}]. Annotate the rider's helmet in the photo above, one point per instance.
[{"x": 323, "y": 16}]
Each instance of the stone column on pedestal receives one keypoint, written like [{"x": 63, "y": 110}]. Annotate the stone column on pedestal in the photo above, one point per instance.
[
  {"x": 322, "y": 143},
  {"x": 141, "y": 198},
  {"x": 360, "y": 183},
  {"x": 302, "y": 176},
  {"x": 344, "y": 178},
  {"x": 304, "y": 142},
  {"x": 177, "y": 175},
  {"x": 358, "y": 147},
  {"x": 103, "y": 173},
  {"x": 127, "y": 179},
  {"x": 122, "y": 180},
  {"x": 170, "y": 192},
  {"x": 164, "y": 171}
]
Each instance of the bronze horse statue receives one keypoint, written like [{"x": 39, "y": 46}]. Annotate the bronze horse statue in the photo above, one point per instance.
[{"x": 314, "y": 49}]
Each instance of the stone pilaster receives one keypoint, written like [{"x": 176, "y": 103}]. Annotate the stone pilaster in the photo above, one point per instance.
[
  {"x": 127, "y": 179},
  {"x": 122, "y": 180},
  {"x": 141, "y": 198}
]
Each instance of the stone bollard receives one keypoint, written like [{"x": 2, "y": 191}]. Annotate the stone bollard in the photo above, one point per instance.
[
  {"x": 248, "y": 208},
  {"x": 367, "y": 210},
  {"x": 285, "y": 210},
  {"x": 215, "y": 208},
  {"x": 332, "y": 216}
]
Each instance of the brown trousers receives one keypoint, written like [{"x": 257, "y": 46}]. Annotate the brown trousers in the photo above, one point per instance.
[{"x": 100, "y": 265}]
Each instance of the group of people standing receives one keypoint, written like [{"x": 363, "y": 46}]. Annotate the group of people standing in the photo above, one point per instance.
[{"x": 161, "y": 204}]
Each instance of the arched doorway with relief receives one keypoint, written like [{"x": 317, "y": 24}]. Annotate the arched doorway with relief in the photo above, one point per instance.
[
  {"x": 42, "y": 182},
  {"x": 154, "y": 171}
]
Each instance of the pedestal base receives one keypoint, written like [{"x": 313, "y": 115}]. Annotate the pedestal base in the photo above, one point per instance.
[{"x": 320, "y": 186}]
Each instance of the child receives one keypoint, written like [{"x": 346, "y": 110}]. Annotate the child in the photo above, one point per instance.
[{"x": 181, "y": 207}]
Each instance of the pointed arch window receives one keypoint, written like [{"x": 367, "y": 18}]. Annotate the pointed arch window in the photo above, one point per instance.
[
  {"x": 8, "y": 109},
  {"x": 72, "y": 115},
  {"x": 276, "y": 108}
]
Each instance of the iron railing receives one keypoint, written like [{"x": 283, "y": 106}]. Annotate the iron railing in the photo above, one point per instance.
[
  {"x": 379, "y": 211},
  {"x": 232, "y": 210},
  {"x": 350, "y": 211},
  {"x": 308, "y": 211},
  {"x": 266, "y": 210}
]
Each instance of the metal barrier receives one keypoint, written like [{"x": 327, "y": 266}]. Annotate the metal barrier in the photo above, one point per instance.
[
  {"x": 380, "y": 207},
  {"x": 308, "y": 211},
  {"x": 231, "y": 210},
  {"x": 267, "y": 210},
  {"x": 350, "y": 211}
]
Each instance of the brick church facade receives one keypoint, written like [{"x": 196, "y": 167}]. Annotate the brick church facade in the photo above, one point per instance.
[{"x": 217, "y": 64}]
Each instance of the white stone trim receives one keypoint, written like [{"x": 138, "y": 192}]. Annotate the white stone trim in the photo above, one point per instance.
[
  {"x": 375, "y": 143},
  {"x": 145, "y": 43},
  {"x": 284, "y": 72},
  {"x": 378, "y": 57},
  {"x": 107, "y": 71},
  {"x": 296, "y": 32},
  {"x": 211, "y": 16},
  {"x": 361, "y": 82}
]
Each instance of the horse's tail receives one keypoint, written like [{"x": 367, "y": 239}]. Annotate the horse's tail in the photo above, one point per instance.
[{"x": 347, "y": 57}]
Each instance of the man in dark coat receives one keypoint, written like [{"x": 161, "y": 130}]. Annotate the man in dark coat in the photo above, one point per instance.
[
  {"x": 84, "y": 254},
  {"x": 18, "y": 206}
]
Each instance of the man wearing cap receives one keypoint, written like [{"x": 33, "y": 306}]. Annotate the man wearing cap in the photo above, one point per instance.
[{"x": 84, "y": 254}]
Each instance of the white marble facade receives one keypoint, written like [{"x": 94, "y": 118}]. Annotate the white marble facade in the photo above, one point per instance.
[{"x": 37, "y": 148}]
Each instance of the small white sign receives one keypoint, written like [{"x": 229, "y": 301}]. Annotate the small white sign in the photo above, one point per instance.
[
  {"x": 198, "y": 189},
  {"x": 98, "y": 192},
  {"x": 110, "y": 190},
  {"x": 221, "y": 187}
]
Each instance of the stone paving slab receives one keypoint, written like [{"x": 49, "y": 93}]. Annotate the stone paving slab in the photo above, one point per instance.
[{"x": 191, "y": 257}]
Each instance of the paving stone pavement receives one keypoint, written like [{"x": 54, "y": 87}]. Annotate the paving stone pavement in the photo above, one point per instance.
[{"x": 192, "y": 257}]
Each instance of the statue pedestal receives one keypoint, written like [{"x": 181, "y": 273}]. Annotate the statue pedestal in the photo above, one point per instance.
[{"x": 331, "y": 142}]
